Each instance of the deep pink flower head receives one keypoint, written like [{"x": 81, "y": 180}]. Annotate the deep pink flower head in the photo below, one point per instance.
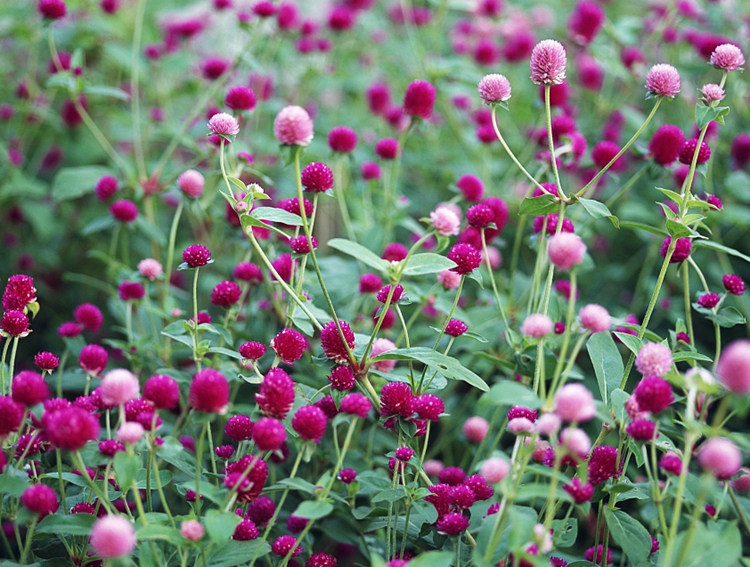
[
  {"x": 52, "y": 9},
  {"x": 466, "y": 257},
  {"x": 682, "y": 249},
  {"x": 214, "y": 67},
  {"x": 106, "y": 187},
  {"x": 252, "y": 350},
  {"x": 387, "y": 148},
  {"x": 46, "y": 360},
  {"x": 11, "y": 415},
  {"x": 566, "y": 250},
  {"x": 740, "y": 150},
  {"x": 163, "y": 391},
  {"x": 191, "y": 183},
  {"x": 602, "y": 464},
  {"x": 665, "y": 144},
  {"x": 93, "y": 359},
  {"x": 687, "y": 151},
  {"x": 580, "y": 492},
  {"x": 29, "y": 388},
  {"x": 19, "y": 292},
  {"x": 71, "y": 428},
  {"x": 226, "y": 294},
  {"x": 223, "y": 124},
  {"x": 733, "y": 284},
  {"x": 595, "y": 318},
  {"x": 333, "y": 346},
  {"x": 720, "y": 457},
  {"x": 124, "y": 210},
  {"x": 40, "y": 499},
  {"x": 595, "y": 554},
  {"x": 654, "y": 359},
  {"x": 342, "y": 139},
  {"x": 321, "y": 560},
  {"x": 196, "y": 255},
  {"x": 131, "y": 291},
  {"x": 396, "y": 398},
  {"x": 419, "y": 99},
  {"x": 575, "y": 403},
  {"x": 733, "y": 368},
  {"x": 471, "y": 187},
  {"x": 269, "y": 434},
  {"x": 663, "y": 80},
  {"x": 653, "y": 394},
  {"x": 602, "y": 154},
  {"x": 293, "y": 126},
  {"x": 240, "y": 98},
  {"x": 310, "y": 423},
  {"x": 727, "y": 57},
  {"x": 370, "y": 170},
  {"x": 394, "y": 252},
  {"x": 429, "y": 407},
  {"x": 112, "y": 536},
  {"x": 276, "y": 395},
  {"x": 289, "y": 345},
  {"x": 239, "y": 428},
  {"x": 342, "y": 378},
  {"x": 537, "y": 325},
  {"x": 356, "y": 404},
  {"x": 15, "y": 323},
  {"x": 378, "y": 97},
  {"x": 641, "y": 429},
  {"x": 494, "y": 88},
  {"x": 89, "y": 316},
  {"x": 548, "y": 61},
  {"x": 209, "y": 391},
  {"x": 283, "y": 545},
  {"x": 248, "y": 272},
  {"x": 452, "y": 523},
  {"x": 585, "y": 22},
  {"x": 317, "y": 177},
  {"x": 246, "y": 530}
]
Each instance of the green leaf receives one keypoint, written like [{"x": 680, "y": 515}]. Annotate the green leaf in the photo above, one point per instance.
[
  {"x": 448, "y": 366},
  {"x": 727, "y": 317},
  {"x": 314, "y": 509},
  {"x": 165, "y": 477},
  {"x": 97, "y": 225},
  {"x": 427, "y": 263},
  {"x": 629, "y": 534},
  {"x": 175, "y": 454},
  {"x": 389, "y": 495},
  {"x": 13, "y": 485},
  {"x": 599, "y": 210},
  {"x": 677, "y": 229},
  {"x": 565, "y": 532},
  {"x": 644, "y": 227},
  {"x": 538, "y": 205},
  {"x": 510, "y": 393},
  {"x": 103, "y": 90},
  {"x": 671, "y": 195},
  {"x": 432, "y": 559},
  {"x": 607, "y": 363},
  {"x": 298, "y": 484},
  {"x": 633, "y": 343},
  {"x": 722, "y": 248},
  {"x": 273, "y": 214},
  {"x": 70, "y": 524},
  {"x": 690, "y": 355},
  {"x": 717, "y": 545},
  {"x": 238, "y": 184},
  {"x": 74, "y": 182},
  {"x": 705, "y": 114},
  {"x": 156, "y": 532},
  {"x": 220, "y": 525},
  {"x": 236, "y": 552},
  {"x": 360, "y": 253},
  {"x": 226, "y": 352},
  {"x": 126, "y": 467}
]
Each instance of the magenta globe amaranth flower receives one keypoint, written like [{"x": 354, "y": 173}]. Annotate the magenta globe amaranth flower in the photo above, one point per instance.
[
  {"x": 494, "y": 88},
  {"x": 548, "y": 62},
  {"x": 223, "y": 124},
  {"x": 419, "y": 99},
  {"x": 293, "y": 126},
  {"x": 727, "y": 57},
  {"x": 663, "y": 80}
]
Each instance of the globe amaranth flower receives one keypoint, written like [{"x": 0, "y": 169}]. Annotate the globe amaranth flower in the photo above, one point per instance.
[
  {"x": 276, "y": 394},
  {"x": 396, "y": 398},
  {"x": 709, "y": 300},
  {"x": 293, "y": 126},
  {"x": 19, "y": 292},
  {"x": 240, "y": 98},
  {"x": 641, "y": 429},
  {"x": 131, "y": 291},
  {"x": 248, "y": 272},
  {"x": 429, "y": 407},
  {"x": 301, "y": 245},
  {"x": 494, "y": 88},
  {"x": 580, "y": 492},
  {"x": 289, "y": 345},
  {"x": 733, "y": 284},
  {"x": 209, "y": 391},
  {"x": 682, "y": 250},
  {"x": 575, "y": 403},
  {"x": 585, "y": 22},
  {"x": 356, "y": 404},
  {"x": 386, "y": 148},
  {"x": 124, "y": 211},
  {"x": 163, "y": 391},
  {"x": 246, "y": 530},
  {"x": 40, "y": 499},
  {"x": 332, "y": 343},
  {"x": 119, "y": 386},
  {"x": 548, "y": 62},
  {"x": 475, "y": 428},
  {"x": 52, "y": 9},
  {"x": 310, "y": 423},
  {"x": 537, "y": 325},
  {"x": 239, "y": 428},
  {"x": 653, "y": 394},
  {"x": 419, "y": 99},
  {"x": 727, "y": 57},
  {"x": 445, "y": 221},
  {"x": 29, "y": 388},
  {"x": 93, "y": 359},
  {"x": 342, "y": 139},
  {"x": 663, "y": 80},
  {"x": 112, "y": 536},
  {"x": 223, "y": 124},
  {"x": 14, "y": 323},
  {"x": 687, "y": 151},
  {"x": 712, "y": 93},
  {"x": 466, "y": 257},
  {"x": 602, "y": 464},
  {"x": 733, "y": 368},
  {"x": 269, "y": 434},
  {"x": 471, "y": 187},
  {"x": 455, "y": 328},
  {"x": 342, "y": 378},
  {"x": 654, "y": 359},
  {"x": 252, "y": 350},
  {"x": 89, "y": 316},
  {"x": 226, "y": 294},
  {"x": 71, "y": 428},
  {"x": 317, "y": 177},
  {"x": 665, "y": 144},
  {"x": 46, "y": 360},
  {"x": 566, "y": 250},
  {"x": 191, "y": 183},
  {"x": 196, "y": 256},
  {"x": 720, "y": 457},
  {"x": 595, "y": 318}
]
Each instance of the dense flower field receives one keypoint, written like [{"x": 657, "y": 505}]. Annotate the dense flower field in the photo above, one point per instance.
[{"x": 374, "y": 282}]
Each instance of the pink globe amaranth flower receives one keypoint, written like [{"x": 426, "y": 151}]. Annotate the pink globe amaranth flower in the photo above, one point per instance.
[
  {"x": 93, "y": 359},
  {"x": 566, "y": 250},
  {"x": 494, "y": 469},
  {"x": 248, "y": 272},
  {"x": 29, "y": 388},
  {"x": 149, "y": 268},
  {"x": 602, "y": 464},
  {"x": 289, "y": 345},
  {"x": 293, "y": 126},
  {"x": 310, "y": 423},
  {"x": 653, "y": 394},
  {"x": 663, "y": 80},
  {"x": 521, "y": 426},
  {"x": 131, "y": 291},
  {"x": 224, "y": 452},
  {"x": 40, "y": 499},
  {"x": 602, "y": 154},
  {"x": 276, "y": 395},
  {"x": 712, "y": 93},
  {"x": 119, "y": 386},
  {"x": 575, "y": 403},
  {"x": 196, "y": 256},
  {"x": 387, "y": 148},
  {"x": 466, "y": 257},
  {"x": 224, "y": 125},
  {"x": 269, "y": 434},
  {"x": 52, "y": 9},
  {"x": 71, "y": 428},
  {"x": 130, "y": 432},
  {"x": 452, "y": 523},
  {"x": 317, "y": 177},
  {"x": 727, "y": 57},
  {"x": 191, "y": 183},
  {"x": 671, "y": 463},
  {"x": 332, "y": 343},
  {"x": 480, "y": 215},
  {"x": 301, "y": 245},
  {"x": 239, "y": 428},
  {"x": 681, "y": 252},
  {"x": 720, "y": 457},
  {"x": 11, "y": 416},
  {"x": 283, "y": 545},
  {"x": 449, "y": 279},
  {"x": 429, "y": 407},
  {"x": 471, "y": 187},
  {"x": 687, "y": 151},
  {"x": 112, "y": 536},
  {"x": 419, "y": 99},
  {"x": 106, "y": 187},
  {"x": 124, "y": 210},
  {"x": 240, "y": 98},
  {"x": 342, "y": 139},
  {"x": 595, "y": 318},
  {"x": 246, "y": 530},
  {"x": 321, "y": 560},
  {"x": 494, "y": 88},
  {"x": 455, "y": 328},
  {"x": 14, "y": 323},
  {"x": 192, "y": 530},
  {"x": 394, "y": 252},
  {"x": 641, "y": 430},
  {"x": 714, "y": 201},
  {"x": 475, "y": 428},
  {"x": 370, "y": 283},
  {"x": 163, "y": 391},
  {"x": 356, "y": 404},
  {"x": 733, "y": 368},
  {"x": 654, "y": 359},
  {"x": 740, "y": 150},
  {"x": 226, "y": 294},
  {"x": 548, "y": 61},
  {"x": 380, "y": 346},
  {"x": 445, "y": 221},
  {"x": 665, "y": 144},
  {"x": 537, "y": 325},
  {"x": 579, "y": 492},
  {"x": 46, "y": 360},
  {"x": 396, "y": 398},
  {"x": 370, "y": 170},
  {"x": 741, "y": 484},
  {"x": 585, "y": 22},
  {"x": 214, "y": 67},
  {"x": 342, "y": 378},
  {"x": 209, "y": 391},
  {"x": 19, "y": 292},
  {"x": 733, "y": 284}
]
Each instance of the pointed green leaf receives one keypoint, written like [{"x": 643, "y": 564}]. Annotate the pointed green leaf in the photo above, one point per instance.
[
  {"x": 273, "y": 214},
  {"x": 629, "y": 534},
  {"x": 539, "y": 205},
  {"x": 70, "y": 524},
  {"x": 607, "y": 363},
  {"x": 427, "y": 263},
  {"x": 509, "y": 393},
  {"x": 360, "y": 253},
  {"x": 220, "y": 525},
  {"x": 314, "y": 509}
]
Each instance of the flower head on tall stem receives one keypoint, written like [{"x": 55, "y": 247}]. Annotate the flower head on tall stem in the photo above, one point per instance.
[
  {"x": 663, "y": 80},
  {"x": 548, "y": 62},
  {"x": 494, "y": 88},
  {"x": 727, "y": 57}
]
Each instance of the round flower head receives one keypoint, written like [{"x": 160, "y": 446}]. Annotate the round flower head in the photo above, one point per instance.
[
  {"x": 252, "y": 350},
  {"x": 419, "y": 99},
  {"x": 124, "y": 210},
  {"x": 240, "y": 98},
  {"x": 276, "y": 395},
  {"x": 342, "y": 139},
  {"x": 310, "y": 423},
  {"x": 52, "y": 9},
  {"x": 246, "y": 530},
  {"x": 654, "y": 359},
  {"x": 471, "y": 187},
  {"x": 663, "y": 80},
  {"x": 106, "y": 187},
  {"x": 641, "y": 429},
  {"x": 40, "y": 499},
  {"x": 226, "y": 294},
  {"x": 15, "y": 323},
  {"x": 429, "y": 407},
  {"x": 191, "y": 183},
  {"x": 452, "y": 523},
  {"x": 537, "y": 325},
  {"x": 455, "y": 328},
  {"x": 653, "y": 394},
  {"x": 289, "y": 345},
  {"x": 386, "y": 148},
  {"x": 727, "y": 57},
  {"x": 682, "y": 250},
  {"x": 380, "y": 346},
  {"x": 585, "y": 22},
  {"x": 321, "y": 560},
  {"x": 119, "y": 386},
  {"x": 29, "y": 388},
  {"x": 333, "y": 346},
  {"x": 149, "y": 268},
  {"x": 131, "y": 291},
  {"x": 248, "y": 272},
  {"x": 687, "y": 151},
  {"x": 494, "y": 88},
  {"x": 602, "y": 464},
  {"x": 566, "y": 250},
  {"x": 733, "y": 284},
  {"x": 475, "y": 428},
  {"x": 293, "y": 126},
  {"x": 223, "y": 124},
  {"x": 163, "y": 391},
  {"x": 370, "y": 170},
  {"x": 19, "y": 292},
  {"x": 466, "y": 257},
  {"x": 595, "y": 318},
  {"x": 396, "y": 398},
  {"x": 71, "y": 428},
  {"x": 93, "y": 359},
  {"x": 711, "y": 93},
  {"x": 130, "y": 432},
  {"x": 548, "y": 61},
  {"x": 317, "y": 177},
  {"x": 665, "y": 144},
  {"x": 720, "y": 457},
  {"x": 342, "y": 378},
  {"x": 192, "y": 530},
  {"x": 733, "y": 368},
  {"x": 269, "y": 434},
  {"x": 494, "y": 469},
  {"x": 196, "y": 255},
  {"x": 575, "y": 403},
  {"x": 356, "y": 404},
  {"x": 209, "y": 391},
  {"x": 445, "y": 221},
  {"x": 112, "y": 536},
  {"x": 46, "y": 360}
]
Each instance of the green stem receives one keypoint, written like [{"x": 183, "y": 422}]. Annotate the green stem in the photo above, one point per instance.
[
  {"x": 135, "y": 88},
  {"x": 223, "y": 167},
  {"x": 194, "y": 327},
  {"x": 740, "y": 513},
  {"x": 199, "y": 469},
  {"x": 2, "y": 367},
  {"x": 103, "y": 497},
  {"x": 170, "y": 251},
  {"x": 550, "y": 141},
  {"x": 60, "y": 483},
  {"x": 511, "y": 154},
  {"x": 29, "y": 538},
  {"x": 690, "y": 441},
  {"x": 12, "y": 361},
  {"x": 338, "y": 192},
  {"x": 492, "y": 280}
]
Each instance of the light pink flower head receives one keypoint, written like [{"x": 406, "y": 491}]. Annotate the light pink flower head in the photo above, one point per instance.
[
  {"x": 449, "y": 279},
  {"x": 548, "y": 61},
  {"x": 595, "y": 318},
  {"x": 112, "y": 536},
  {"x": 379, "y": 347},
  {"x": 130, "y": 432},
  {"x": 733, "y": 368},
  {"x": 566, "y": 250},
  {"x": 475, "y": 428},
  {"x": 654, "y": 359},
  {"x": 223, "y": 124},
  {"x": 293, "y": 126},
  {"x": 191, "y": 183},
  {"x": 711, "y": 93},
  {"x": 574, "y": 403},
  {"x": 663, "y": 80},
  {"x": 537, "y": 325},
  {"x": 494, "y": 88},
  {"x": 445, "y": 221},
  {"x": 494, "y": 469},
  {"x": 192, "y": 530},
  {"x": 150, "y": 268},
  {"x": 119, "y": 386},
  {"x": 720, "y": 457},
  {"x": 576, "y": 441},
  {"x": 727, "y": 57}
]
